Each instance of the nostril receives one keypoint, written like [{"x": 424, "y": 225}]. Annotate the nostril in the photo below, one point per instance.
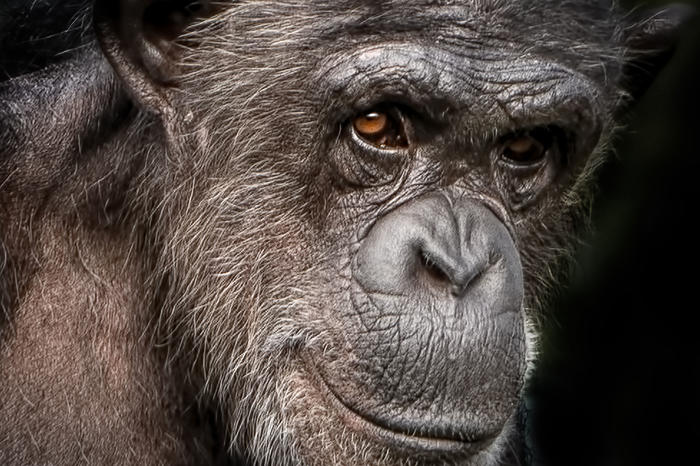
[
  {"x": 463, "y": 278},
  {"x": 432, "y": 270},
  {"x": 454, "y": 276}
]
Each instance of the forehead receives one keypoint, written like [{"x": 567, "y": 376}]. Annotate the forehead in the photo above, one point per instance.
[
  {"x": 579, "y": 34},
  {"x": 464, "y": 12},
  {"x": 534, "y": 19},
  {"x": 559, "y": 24},
  {"x": 465, "y": 7}
]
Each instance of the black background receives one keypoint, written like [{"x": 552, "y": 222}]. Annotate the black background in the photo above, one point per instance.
[{"x": 618, "y": 380}]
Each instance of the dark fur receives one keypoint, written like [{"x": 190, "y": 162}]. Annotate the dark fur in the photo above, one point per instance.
[{"x": 156, "y": 273}]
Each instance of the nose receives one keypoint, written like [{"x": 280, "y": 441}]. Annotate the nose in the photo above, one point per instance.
[
  {"x": 433, "y": 244},
  {"x": 436, "y": 321}
]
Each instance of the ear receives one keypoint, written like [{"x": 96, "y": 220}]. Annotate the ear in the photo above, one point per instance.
[
  {"x": 139, "y": 38},
  {"x": 651, "y": 42}
]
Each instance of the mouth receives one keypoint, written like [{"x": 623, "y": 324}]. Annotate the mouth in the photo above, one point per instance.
[{"x": 402, "y": 442}]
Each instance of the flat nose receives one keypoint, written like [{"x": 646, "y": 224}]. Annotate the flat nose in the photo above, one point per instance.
[
  {"x": 432, "y": 244},
  {"x": 438, "y": 292}
]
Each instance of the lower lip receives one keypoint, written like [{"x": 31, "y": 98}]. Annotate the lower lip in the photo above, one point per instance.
[{"x": 408, "y": 444}]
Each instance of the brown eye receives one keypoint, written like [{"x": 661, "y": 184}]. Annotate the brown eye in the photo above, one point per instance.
[
  {"x": 381, "y": 129},
  {"x": 527, "y": 148}
]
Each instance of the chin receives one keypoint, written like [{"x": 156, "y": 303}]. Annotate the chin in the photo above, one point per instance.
[{"x": 323, "y": 430}]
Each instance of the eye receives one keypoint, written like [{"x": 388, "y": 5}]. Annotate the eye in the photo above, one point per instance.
[
  {"x": 382, "y": 128},
  {"x": 527, "y": 147}
]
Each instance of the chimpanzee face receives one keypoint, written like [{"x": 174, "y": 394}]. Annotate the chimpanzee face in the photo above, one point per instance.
[{"x": 362, "y": 202}]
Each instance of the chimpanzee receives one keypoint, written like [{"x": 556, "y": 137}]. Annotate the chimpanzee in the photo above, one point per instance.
[{"x": 281, "y": 232}]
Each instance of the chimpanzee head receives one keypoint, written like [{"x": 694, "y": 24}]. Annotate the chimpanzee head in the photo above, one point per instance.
[{"x": 354, "y": 207}]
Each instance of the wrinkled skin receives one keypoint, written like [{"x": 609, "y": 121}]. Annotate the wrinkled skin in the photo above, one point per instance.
[{"x": 209, "y": 256}]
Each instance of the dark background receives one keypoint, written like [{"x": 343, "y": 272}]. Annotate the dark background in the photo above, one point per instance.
[{"x": 618, "y": 381}]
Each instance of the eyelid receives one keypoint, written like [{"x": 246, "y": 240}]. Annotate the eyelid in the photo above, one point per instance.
[
  {"x": 397, "y": 118},
  {"x": 368, "y": 146},
  {"x": 554, "y": 140}
]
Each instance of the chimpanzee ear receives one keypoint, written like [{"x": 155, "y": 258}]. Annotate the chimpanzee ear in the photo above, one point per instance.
[
  {"x": 139, "y": 39},
  {"x": 651, "y": 43}
]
